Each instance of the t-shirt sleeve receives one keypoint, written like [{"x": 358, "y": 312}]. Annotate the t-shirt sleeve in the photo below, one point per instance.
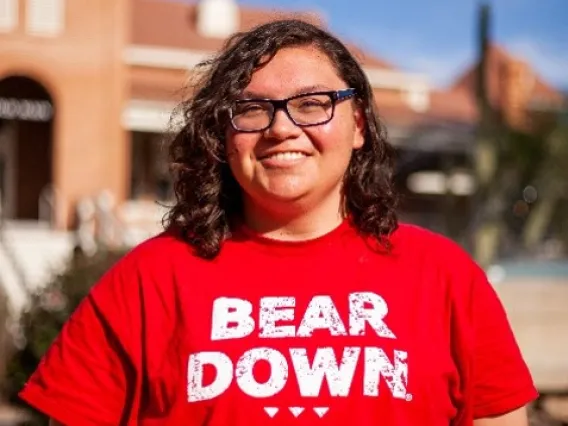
[
  {"x": 86, "y": 376},
  {"x": 501, "y": 381}
]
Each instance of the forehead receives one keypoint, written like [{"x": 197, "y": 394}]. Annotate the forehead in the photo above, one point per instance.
[{"x": 293, "y": 69}]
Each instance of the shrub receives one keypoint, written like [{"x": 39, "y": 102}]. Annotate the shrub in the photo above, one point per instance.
[{"x": 48, "y": 311}]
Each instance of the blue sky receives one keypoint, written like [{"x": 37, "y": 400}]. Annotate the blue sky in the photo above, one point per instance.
[{"x": 437, "y": 37}]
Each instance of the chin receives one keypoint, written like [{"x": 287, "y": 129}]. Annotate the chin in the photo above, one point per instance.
[
  {"x": 283, "y": 196},
  {"x": 285, "y": 189}
]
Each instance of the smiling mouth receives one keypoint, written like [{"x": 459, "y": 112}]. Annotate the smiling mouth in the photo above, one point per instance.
[{"x": 285, "y": 156}]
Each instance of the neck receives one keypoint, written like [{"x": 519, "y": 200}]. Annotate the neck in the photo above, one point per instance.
[{"x": 293, "y": 221}]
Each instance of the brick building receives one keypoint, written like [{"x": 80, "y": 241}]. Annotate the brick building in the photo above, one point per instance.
[
  {"x": 86, "y": 91},
  {"x": 87, "y": 88}
]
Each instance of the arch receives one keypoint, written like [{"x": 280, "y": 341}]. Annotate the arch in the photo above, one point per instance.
[
  {"x": 27, "y": 112},
  {"x": 43, "y": 78}
]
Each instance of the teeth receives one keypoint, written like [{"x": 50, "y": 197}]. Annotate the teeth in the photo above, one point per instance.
[{"x": 288, "y": 155}]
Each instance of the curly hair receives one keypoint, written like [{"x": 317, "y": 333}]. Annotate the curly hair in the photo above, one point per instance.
[{"x": 208, "y": 198}]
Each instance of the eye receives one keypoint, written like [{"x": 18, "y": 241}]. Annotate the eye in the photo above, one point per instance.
[
  {"x": 311, "y": 103},
  {"x": 250, "y": 108}
]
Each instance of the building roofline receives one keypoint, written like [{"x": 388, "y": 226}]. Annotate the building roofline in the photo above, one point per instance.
[{"x": 186, "y": 59}]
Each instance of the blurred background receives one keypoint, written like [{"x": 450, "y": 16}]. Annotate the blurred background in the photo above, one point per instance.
[{"x": 473, "y": 94}]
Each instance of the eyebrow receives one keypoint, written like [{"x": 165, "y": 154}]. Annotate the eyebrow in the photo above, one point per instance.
[{"x": 247, "y": 94}]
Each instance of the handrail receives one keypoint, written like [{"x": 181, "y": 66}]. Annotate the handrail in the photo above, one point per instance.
[
  {"x": 86, "y": 225},
  {"x": 97, "y": 223},
  {"x": 47, "y": 205},
  {"x": 110, "y": 229}
]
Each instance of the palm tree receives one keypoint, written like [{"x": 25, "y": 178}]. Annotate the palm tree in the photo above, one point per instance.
[
  {"x": 507, "y": 160},
  {"x": 488, "y": 202}
]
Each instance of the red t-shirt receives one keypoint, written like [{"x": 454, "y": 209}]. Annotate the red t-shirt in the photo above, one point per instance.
[{"x": 324, "y": 332}]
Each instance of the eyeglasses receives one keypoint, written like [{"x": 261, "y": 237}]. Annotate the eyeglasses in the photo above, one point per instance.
[{"x": 305, "y": 110}]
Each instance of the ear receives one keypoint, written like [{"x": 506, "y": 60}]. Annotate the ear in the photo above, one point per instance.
[{"x": 360, "y": 127}]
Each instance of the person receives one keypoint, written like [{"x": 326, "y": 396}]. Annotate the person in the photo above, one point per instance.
[{"x": 284, "y": 291}]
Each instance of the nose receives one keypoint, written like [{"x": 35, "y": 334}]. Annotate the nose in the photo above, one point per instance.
[{"x": 282, "y": 126}]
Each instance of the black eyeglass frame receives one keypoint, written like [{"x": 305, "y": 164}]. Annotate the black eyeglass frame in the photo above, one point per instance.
[{"x": 282, "y": 104}]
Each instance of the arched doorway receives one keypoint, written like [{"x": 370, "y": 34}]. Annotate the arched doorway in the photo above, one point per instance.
[{"x": 26, "y": 140}]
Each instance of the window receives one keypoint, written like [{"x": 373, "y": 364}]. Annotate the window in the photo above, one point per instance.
[
  {"x": 45, "y": 17},
  {"x": 8, "y": 15},
  {"x": 418, "y": 99},
  {"x": 150, "y": 178},
  {"x": 217, "y": 18}
]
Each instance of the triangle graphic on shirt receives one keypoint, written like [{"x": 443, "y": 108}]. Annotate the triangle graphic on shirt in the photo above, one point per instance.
[
  {"x": 271, "y": 411},
  {"x": 321, "y": 411},
  {"x": 296, "y": 411}
]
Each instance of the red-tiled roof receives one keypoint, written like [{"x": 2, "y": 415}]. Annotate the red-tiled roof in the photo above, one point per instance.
[
  {"x": 445, "y": 106},
  {"x": 454, "y": 105},
  {"x": 172, "y": 24},
  {"x": 498, "y": 60}
]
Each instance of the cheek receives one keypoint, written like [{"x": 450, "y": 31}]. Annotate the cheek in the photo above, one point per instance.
[
  {"x": 239, "y": 149},
  {"x": 333, "y": 138},
  {"x": 322, "y": 137},
  {"x": 238, "y": 145}
]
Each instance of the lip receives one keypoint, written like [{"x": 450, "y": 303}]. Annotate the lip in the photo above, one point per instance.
[
  {"x": 272, "y": 160},
  {"x": 273, "y": 152}
]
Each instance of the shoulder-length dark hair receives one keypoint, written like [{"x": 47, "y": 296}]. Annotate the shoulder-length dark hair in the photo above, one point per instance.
[{"x": 207, "y": 195}]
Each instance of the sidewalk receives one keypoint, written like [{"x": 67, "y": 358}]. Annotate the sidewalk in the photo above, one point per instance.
[{"x": 10, "y": 416}]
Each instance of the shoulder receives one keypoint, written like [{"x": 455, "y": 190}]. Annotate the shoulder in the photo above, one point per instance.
[
  {"x": 158, "y": 253},
  {"x": 166, "y": 245},
  {"x": 149, "y": 263},
  {"x": 436, "y": 255},
  {"x": 414, "y": 240}
]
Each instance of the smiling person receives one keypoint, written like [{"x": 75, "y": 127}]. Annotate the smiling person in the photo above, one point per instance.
[{"x": 284, "y": 291}]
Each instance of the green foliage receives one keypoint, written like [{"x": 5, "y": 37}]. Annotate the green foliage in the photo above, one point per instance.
[
  {"x": 49, "y": 310},
  {"x": 507, "y": 161}
]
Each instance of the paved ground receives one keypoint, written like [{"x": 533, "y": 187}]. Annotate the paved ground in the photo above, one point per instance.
[
  {"x": 538, "y": 312},
  {"x": 558, "y": 407},
  {"x": 10, "y": 416}
]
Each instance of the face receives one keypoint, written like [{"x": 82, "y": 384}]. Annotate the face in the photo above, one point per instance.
[{"x": 287, "y": 164}]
